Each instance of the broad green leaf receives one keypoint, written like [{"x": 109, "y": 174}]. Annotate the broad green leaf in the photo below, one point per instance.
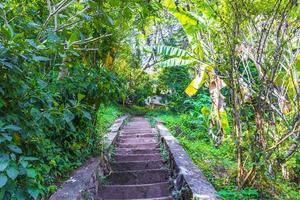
[
  {"x": 189, "y": 22},
  {"x": 35, "y": 113},
  {"x": 11, "y": 31},
  {"x": 12, "y": 127},
  {"x": 110, "y": 20},
  {"x": 4, "y": 161},
  {"x": 31, "y": 172},
  {"x": 68, "y": 116},
  {"x": 12, "y": 172},
  {"x": 6, "y": 136},
  {"x": 7, "y": 64},
  {"x": 20, "y": 195},
  {"x": 74, "y": 36},
  {"x": 14, "y": 148},
  {"x": 87, "y": 115},
  {"x": 80, "y": 96},
  {"x": 42, "y": 83},
  {"x": 40, "y": 58},
  {"x": 171, "y": 51},
  {"x": 172, "y": 62},
  {"x": 34, "y": 192},
  {"x": 28, "y": 158},
  {"x": 3, "y": 180}
]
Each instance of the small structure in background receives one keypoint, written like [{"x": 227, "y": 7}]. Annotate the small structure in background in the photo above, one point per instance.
[{"x": 156, "y": 101}]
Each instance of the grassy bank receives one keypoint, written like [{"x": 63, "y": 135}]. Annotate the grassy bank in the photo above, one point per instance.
[{"x": 217, "y": 163}]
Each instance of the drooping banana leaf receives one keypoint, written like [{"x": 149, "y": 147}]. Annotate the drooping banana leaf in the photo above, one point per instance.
[
  {"x": 215, "y": 86},
  {"x": 189, "y": 22},
  {"x": 198, "y": 81}
]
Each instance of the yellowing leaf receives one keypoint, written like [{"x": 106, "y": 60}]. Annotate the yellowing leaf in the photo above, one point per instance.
[
  {"x": 190, "y": 90},
  {"x": 298, "y": 64},
  {"x": 193, "y": 86},
  {"x": 205, "y": 110},
  {"x": 17, "y": 138},
  {"x": 109, "y": 59},
  {"x": 224, "y": 121}
]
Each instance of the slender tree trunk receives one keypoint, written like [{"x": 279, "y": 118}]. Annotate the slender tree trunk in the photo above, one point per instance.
[
  {"x": 236, "y": 121},
  {"x": 235, "y": 91}
]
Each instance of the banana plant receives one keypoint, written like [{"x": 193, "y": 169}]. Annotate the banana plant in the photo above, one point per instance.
[{"x": 198, "y": 56}]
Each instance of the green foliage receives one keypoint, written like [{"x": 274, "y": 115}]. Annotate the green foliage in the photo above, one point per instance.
[
  {"x": 216, "y": 164},
  {"x": 171, "y": 51},
  {"x": 61, "y": 61},
  {"x": 49, "y": 95},
  {"x": 171, "y": 82},
  {"x": 106, "y": 116},
  {"x": 51, "y": 121}
]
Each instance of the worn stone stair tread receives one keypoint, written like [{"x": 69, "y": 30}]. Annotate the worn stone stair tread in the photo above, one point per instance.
[
  {"x": 137, "y": 165},
  {"x": 138, "y": 170},
  {"x": 140, "y": 145},
  {"x": 136, "y": 131},
  {"x": 139, "y": 176},
  {"x": 137, "y": 135},
  {"x": 153, "y": 190},
  {"x": 137, "y": 141},
  {"x": 137, "y": 128},
  {"x": 137, "y": 157},
  {"x": 130, "y": 151}
]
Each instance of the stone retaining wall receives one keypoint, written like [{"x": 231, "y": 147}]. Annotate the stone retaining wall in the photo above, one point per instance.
[{"x": 189, "y": 181}]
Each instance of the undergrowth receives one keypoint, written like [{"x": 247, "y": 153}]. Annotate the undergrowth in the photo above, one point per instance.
[{"x": 217, "y": 163}]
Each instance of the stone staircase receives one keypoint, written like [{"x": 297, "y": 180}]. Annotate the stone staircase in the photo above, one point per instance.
[{"x": 138, "y": 169}]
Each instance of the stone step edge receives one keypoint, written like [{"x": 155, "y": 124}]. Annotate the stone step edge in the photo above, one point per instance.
[
  {"x": 160, "y": 160},
  {"x": 139, "y": 171}
]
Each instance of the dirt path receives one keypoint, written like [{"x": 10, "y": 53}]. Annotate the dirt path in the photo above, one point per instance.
[{"x": 138, "y": 170}]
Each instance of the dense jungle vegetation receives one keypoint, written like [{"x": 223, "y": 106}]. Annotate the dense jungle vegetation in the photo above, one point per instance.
[{"x": 228, "y": 69}]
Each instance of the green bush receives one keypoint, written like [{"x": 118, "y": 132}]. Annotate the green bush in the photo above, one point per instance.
[{"x": 47, "y": 125}]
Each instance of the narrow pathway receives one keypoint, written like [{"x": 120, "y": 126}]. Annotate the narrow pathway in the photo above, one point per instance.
[{"x": 138, "y": 169}]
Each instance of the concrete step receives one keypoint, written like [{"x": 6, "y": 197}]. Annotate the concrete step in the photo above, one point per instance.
[
  {"x": 154, "y": 190},
  {"x": 137, "y": 165},
  {"x": 135, "y": 131},
  {"x": 136, "y": 157},
  {"x": 139, "y": 177},
  {"x": 138, "y": 124},
  {"x": 137, "y": 135},
  {"x": 136, "y": 151},
  {"x": 140, "y": 145},
  {"x": 136, "y": 140}
]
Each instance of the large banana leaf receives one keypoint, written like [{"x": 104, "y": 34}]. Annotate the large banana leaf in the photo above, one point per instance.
[
  {"x": 172, "y": 62},
  {"x": 172, "y": 51}
]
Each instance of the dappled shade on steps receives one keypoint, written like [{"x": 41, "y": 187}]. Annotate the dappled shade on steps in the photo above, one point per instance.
[{"x": 138, "y": 169}]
